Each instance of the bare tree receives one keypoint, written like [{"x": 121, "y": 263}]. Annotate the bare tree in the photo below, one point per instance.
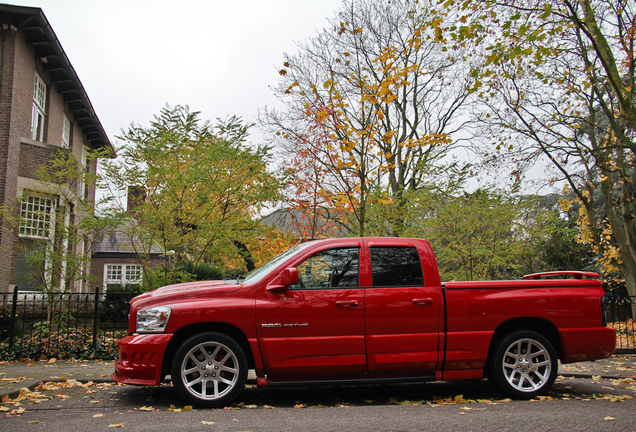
[{"x": 386, "y": 97}]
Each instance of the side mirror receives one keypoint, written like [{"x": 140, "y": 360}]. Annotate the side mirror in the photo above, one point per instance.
[{"x": 281, "y": 283}]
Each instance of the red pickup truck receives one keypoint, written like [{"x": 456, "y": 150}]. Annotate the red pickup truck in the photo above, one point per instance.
[{"x": 361, "y": 310}]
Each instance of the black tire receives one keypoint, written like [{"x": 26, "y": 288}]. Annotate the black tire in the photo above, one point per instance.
[
  {"x": 209, "y": 370},
  {"x": 524, "y": 365}
]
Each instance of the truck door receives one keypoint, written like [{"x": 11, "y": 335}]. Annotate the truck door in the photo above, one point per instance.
[
  {"x": 402, "y": 311},
  {"x": 317, "y": 326}
]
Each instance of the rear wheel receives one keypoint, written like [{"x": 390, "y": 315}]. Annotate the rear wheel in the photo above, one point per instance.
[
  {"x": 209, "y": 370},
  {"x": 524, "y": 365}
]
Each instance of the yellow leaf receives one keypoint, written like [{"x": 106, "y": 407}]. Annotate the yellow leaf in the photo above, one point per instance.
[
  {"x": 187, "y": 408},
  {"x": 300, "y": 406},
  {"x": 118, "y": 425},
  {"x": 609, "y": 419},
  {"x": 98, "y": 415},
  {"x": 207, "y": 422},
  {"x": 145, "y": 408}
]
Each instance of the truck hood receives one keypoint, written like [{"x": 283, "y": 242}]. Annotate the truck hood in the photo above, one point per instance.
[{"x": 185, "y": 290}]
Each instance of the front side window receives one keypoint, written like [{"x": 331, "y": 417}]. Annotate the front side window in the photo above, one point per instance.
[
  {"x": 122, "y": 275},
  {"x": 38, "y": 110},
  {"x": 396, "y": 267},
  {"x": 36, "y": 217},
  {"x": 333, "y": 268}
]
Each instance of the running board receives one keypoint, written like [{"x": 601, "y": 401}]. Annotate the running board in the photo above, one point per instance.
[{"x": 349, "y": 382}]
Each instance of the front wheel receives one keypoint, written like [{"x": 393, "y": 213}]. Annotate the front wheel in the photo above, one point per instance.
[
  {"x": 524, "y": 365},
  {"x": 209, "y": 370}
]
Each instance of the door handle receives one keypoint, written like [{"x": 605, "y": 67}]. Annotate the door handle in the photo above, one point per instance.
[
  {"x": 347, "y": 303},
  {"x": 423, "y": 301}
]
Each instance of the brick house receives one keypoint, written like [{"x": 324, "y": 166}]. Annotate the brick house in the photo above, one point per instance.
[{"x": 44, "y": 109}]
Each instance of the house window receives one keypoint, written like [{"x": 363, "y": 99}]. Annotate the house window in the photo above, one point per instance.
[
  {"x": 122, "y": 275},
  {"x": 31, "y": 264},
  {"x": 66, "y": 132},
  {"x": 37, "y": 113},
  {"x": 36, "y": 217}
]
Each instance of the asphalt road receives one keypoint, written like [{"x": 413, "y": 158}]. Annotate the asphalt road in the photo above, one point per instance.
[{"x": 575, "y": 404}]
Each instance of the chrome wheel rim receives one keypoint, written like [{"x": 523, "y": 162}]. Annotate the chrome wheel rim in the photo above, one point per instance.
[
  {"x": 210, "y": 370},
  {"x": 527, "y": 365}
]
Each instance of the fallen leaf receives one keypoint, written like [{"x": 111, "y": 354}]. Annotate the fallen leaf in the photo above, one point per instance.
[
  {"x": 609, "y": 419},
  {"x": 17, "y": 412},
  {"x": 459, "y": 399},
  {"x": 300, "y": 406},
  {"x": 118, "y": 425},
  {"x": 207, "y": 422},
  {"x": 98, "y": 415},
  {"x": 187, "y": 408},
  {"x": 145, "y": 408},
  {"x": 543, "y": 398}
]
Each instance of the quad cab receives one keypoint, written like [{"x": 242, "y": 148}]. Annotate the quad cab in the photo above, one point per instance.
[{"x": 358, "y": 310}]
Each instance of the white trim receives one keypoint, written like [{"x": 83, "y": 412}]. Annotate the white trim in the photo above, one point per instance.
[
  {"x": 66, "y": 132},
  {"x": 122, "y": 274},
  {"x": 37, "y": 216},
  {"x": 38, "y": 112}
]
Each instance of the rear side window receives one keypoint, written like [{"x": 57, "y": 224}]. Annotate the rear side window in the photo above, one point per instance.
[{"x": 396, "y": 267}]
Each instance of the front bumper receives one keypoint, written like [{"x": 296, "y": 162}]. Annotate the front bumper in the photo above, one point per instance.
[{"x": 140, "y": 358}]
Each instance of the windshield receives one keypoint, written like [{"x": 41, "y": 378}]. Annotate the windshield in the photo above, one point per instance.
[{"x": 257, "y": 275}]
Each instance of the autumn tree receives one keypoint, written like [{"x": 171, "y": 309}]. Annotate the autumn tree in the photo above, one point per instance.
[
  {"x": 557, "y": 81},
  {"x": 484, "y": 234},
  {"x": 376, "y": 99},
  {"x": 203, "y": 190}
]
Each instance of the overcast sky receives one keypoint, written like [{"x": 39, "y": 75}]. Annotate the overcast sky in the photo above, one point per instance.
[{"x": 218, "y": 57}]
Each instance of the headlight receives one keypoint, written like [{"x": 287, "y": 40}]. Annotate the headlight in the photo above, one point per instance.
[{"x": 154, "y": 319}]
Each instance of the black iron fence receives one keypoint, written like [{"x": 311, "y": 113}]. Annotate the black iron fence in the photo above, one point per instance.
[
  {"x": 620, "y": 311},
  {"x": 87, "y": 325},
  {"x": 62, "y": 325}
]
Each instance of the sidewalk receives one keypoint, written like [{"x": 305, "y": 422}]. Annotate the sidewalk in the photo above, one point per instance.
[{"x": 16, "y": 375}]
